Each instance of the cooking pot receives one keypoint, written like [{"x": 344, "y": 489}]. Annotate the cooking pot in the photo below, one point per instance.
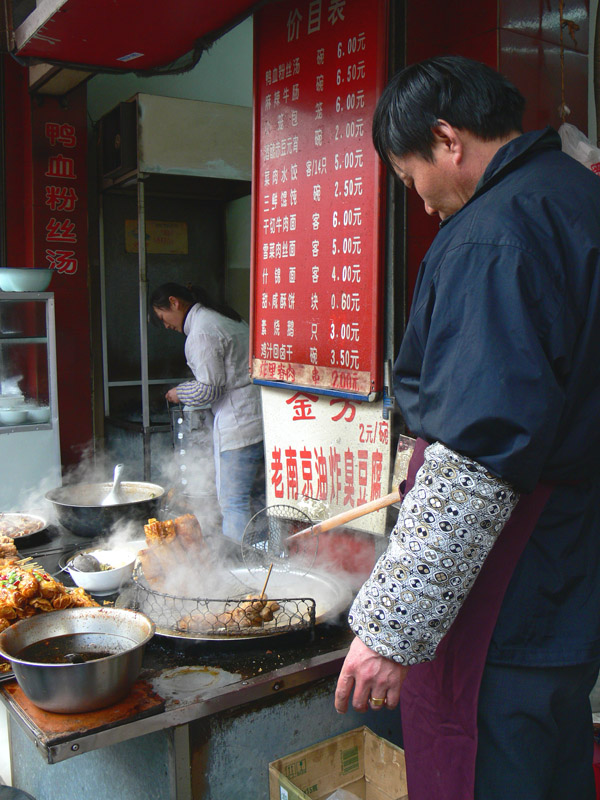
[
  {"x": 78, "y": 506},
  {"x": 115, "y": 637}
]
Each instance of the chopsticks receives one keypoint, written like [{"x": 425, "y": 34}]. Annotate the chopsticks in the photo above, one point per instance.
[{"x": 51, "y": 551}]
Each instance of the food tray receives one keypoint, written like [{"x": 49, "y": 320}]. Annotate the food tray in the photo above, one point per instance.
[{"x": 21, "y": 526}]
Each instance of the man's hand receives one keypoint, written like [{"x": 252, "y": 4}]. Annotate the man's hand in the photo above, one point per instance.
[
  {"x": 171, "y": 395},
  {"x": 371, "y": 676}
]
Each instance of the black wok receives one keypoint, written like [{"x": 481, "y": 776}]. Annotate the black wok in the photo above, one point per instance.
[{"x": 78, "y": 506}]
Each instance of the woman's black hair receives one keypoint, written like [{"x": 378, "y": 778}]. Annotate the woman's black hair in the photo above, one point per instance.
[
  {"x": 467, "y": 94},
  {"x": 190, "y": 294}
]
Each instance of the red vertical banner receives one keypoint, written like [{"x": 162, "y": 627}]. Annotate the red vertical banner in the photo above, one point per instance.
[
  {"x": 60, "y": 188},
  {"x": 317, "y": 195},
  {"x": 60, "y": 235}
]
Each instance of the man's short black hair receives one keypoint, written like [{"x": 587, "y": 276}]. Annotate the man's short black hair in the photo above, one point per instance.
[{"x": 467, "y": 94}]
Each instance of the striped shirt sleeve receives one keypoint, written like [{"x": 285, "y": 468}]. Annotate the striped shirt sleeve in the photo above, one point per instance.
[{"x": 195, "y": 393}]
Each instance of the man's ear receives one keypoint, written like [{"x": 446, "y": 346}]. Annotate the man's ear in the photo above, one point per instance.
[{"x": 449, "y": 139}]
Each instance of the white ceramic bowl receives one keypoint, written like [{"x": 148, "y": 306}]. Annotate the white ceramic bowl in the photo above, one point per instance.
[
  {"x": 13, "y": 416},
  {"x": 38, "y": 414},
  {"x": 11, "y": 400},
  {"x": 25, "y": 279},
  {"x": 106, "y": 581}
]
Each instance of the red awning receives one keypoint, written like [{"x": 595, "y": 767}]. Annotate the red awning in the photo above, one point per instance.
[{"x": 124, "y": 35}]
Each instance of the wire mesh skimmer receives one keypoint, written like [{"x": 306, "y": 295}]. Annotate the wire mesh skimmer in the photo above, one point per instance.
[{"x": 265, "y": 540}]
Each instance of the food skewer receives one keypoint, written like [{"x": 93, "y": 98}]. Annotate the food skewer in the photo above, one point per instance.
[{"x": 262, "y": 594}]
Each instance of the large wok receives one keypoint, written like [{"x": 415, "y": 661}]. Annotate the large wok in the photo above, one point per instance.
[{"x": 78, "y": 506}]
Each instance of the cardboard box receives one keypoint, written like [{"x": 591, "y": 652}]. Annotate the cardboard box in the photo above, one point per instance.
[{"x": 359, "y": 761}]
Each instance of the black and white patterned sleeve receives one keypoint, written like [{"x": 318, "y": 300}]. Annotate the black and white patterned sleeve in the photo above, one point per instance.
[{"x": 446, "y": 527}]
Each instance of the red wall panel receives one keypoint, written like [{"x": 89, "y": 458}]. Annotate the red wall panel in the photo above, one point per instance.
[
  {"x": 522, "y": 39},
  {"x": 27, "y": 154}
]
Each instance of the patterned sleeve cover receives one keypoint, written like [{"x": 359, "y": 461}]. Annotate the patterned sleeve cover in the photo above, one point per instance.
[{"x": 446, "y": 527}]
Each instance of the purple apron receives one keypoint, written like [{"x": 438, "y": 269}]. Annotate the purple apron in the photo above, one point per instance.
[{"x": 439, "y": 698}]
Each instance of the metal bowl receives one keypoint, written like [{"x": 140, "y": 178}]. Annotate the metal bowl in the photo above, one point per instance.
[
  {"x": 79, "y": 506},
  {"x": 71, "y": 688}
]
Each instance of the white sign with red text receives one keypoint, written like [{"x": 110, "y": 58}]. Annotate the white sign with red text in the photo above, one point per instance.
[{"x": 333, "y": 450}]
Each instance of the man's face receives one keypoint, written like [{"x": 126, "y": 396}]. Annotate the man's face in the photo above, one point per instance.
[{"x": 436, "y": 182}]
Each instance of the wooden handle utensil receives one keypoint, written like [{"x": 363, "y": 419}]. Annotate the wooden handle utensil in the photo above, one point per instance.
[{"x": 347, "y": 516}]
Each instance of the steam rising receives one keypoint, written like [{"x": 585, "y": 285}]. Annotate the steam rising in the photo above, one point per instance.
[{"x": 186, "y": 471}]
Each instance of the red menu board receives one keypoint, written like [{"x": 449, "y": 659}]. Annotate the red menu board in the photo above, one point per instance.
[{"x": 319, "y": 67}]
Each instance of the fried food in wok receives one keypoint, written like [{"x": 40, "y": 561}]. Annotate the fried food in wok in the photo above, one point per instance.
[
  {"x": 26, "y": 589},
  {"x": 171, "y": 544},
  {"x": 15, "y": 525},
  {"x": 252, "y": 612}
]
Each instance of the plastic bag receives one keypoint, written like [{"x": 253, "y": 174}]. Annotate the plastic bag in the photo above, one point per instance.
[
  {"x": 343, "y": 794},
  {"x": 576, "y": 144}
]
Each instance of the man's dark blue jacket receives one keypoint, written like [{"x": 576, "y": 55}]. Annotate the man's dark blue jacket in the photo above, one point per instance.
[{"x": 501, "y": 362}]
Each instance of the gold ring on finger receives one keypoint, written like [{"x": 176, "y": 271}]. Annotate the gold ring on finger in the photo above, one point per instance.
[{"x": 377, "y": 702}]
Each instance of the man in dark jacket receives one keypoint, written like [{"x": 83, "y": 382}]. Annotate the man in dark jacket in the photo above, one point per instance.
[{"x": 499, "y": 374}]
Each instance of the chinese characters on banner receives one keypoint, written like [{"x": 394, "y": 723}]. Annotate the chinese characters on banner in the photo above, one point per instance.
[
  {"x": 330, "y": 449},
  {"x": 60, "y": 187},
  {"x": 60, "y": 240},
  {"x": 319, "y": 69}
]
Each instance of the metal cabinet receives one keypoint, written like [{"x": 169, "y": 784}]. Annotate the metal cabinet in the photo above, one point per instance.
[{"x": 29, "y": 433}]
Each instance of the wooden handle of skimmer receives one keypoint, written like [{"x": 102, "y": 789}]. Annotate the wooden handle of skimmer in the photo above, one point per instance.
[{"x": 347, "y": 516}]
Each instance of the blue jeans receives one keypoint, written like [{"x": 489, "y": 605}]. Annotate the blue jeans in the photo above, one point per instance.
[{"x": 241, "y": 489}]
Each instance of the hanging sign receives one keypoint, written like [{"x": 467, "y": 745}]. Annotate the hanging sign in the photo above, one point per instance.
[
  {"x": 317, "y": 187},
  {"x": 169, "y": 237},
  {"x": 331, "y": 450},
  {"x": 59, "y": 140}
]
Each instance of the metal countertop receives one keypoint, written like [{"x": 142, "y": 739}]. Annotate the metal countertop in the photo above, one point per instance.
[{"x": 180, "y": 681}]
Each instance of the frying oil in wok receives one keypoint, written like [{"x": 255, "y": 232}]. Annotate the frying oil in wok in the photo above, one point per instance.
[{"x": 67, "y": 649}]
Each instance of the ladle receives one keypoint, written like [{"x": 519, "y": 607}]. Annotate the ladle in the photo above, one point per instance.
[{"x": 115, "y": 496}]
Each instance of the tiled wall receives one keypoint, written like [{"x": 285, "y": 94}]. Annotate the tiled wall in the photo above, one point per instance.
[
  {"x": 521, "y": 38},
  {"x": 529, "y": 55}
]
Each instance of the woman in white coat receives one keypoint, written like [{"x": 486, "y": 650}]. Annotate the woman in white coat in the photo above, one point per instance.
[{"x": 216, "y": 350}]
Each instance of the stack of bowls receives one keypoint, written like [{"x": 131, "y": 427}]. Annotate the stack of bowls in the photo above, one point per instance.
[
  {"x": 13, "y": 415},
  {"x": 25, "y": 279},
  {"x": 38, "y": 414}
]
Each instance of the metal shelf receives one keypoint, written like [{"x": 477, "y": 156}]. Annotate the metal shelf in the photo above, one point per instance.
[
  {"x": 24, "y": 339},
  {"x": 206, "y": 152}
]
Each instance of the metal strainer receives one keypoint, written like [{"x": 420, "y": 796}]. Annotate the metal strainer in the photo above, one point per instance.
[{"x": 266, "y": 540}]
